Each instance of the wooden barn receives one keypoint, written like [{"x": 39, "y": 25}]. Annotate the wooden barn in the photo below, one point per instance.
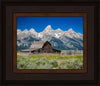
[{"x": 39, "y": 47}]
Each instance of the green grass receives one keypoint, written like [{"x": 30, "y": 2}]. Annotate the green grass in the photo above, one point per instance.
[{"x": 49, "y": 61}]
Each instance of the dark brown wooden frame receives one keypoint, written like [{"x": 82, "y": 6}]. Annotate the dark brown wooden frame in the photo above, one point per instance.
[
  {"x": 84, "y": 70},
  {"x": 9, "y": 77}
]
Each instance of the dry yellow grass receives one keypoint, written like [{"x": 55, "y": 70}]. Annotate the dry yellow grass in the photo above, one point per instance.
[
  {"x": 18, "y": 53},
  {"x": 60, "y": 58}
]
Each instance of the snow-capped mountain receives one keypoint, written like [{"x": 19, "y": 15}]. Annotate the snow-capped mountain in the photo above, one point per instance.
[
  {"x": 59, "y": 39},
  {"x": 72, "y": 34},
  {"x": 48, "y": 29},
  {"x": 19, "y": 31}
]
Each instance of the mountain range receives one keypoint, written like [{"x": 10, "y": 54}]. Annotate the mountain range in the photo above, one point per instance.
[{"x": 62, "y": 40}]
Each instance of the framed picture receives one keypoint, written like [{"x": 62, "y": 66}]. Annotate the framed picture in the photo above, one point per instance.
[
  {"x": 50, "y": 50},
  {"x": 50, "y": 42}
]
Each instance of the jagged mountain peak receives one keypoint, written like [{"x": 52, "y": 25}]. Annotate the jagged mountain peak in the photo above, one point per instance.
[
  {"x": 25, "y": 30},
  {"x": 48, "y": 28},
  {"x": 59, "y": 38},
  {"x": 70, "y": 30},
  {"x": 58, "y": 29},
  {"x": 18, "y": 30},
  {"x": 72, "y": 34},
  {"x": 32, "y": 30}
]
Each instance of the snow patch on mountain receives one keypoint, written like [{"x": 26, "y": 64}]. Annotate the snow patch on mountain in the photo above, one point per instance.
[{"x": 60, "y": 39}]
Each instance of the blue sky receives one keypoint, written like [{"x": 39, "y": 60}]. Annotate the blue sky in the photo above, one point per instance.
[{"x": 40, "y": 23}]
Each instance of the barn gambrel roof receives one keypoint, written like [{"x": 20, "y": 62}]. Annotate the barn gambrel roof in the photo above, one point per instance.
[
  {"x": 35, "y": 46},
  {"x": 30, "y": 49}
]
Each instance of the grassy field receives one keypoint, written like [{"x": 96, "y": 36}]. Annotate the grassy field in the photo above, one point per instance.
[{"x": 49, "y": 61}]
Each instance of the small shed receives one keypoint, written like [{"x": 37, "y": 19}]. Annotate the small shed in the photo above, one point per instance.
[{"x": 39, "y": 47}]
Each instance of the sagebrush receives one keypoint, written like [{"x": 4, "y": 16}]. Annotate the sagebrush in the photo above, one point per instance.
[{"x": 49, "y": 62}]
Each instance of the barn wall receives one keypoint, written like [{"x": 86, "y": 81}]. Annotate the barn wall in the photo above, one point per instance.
[
  {"x": 47, "y": 48},
  {"x": 56, "y": 51},
  {"x": 36, "y": 51}
]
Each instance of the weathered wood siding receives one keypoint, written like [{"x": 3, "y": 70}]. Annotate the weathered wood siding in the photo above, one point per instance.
[
  {"x": 48, "y": 48},
  {"x": 56, "y": 51}
]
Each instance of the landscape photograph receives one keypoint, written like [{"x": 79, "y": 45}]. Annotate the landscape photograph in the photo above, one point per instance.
[{"x": 50, "y": 43}]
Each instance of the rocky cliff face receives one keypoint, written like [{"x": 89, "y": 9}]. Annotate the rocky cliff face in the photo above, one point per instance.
[{"x": 64, "y": 40}]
